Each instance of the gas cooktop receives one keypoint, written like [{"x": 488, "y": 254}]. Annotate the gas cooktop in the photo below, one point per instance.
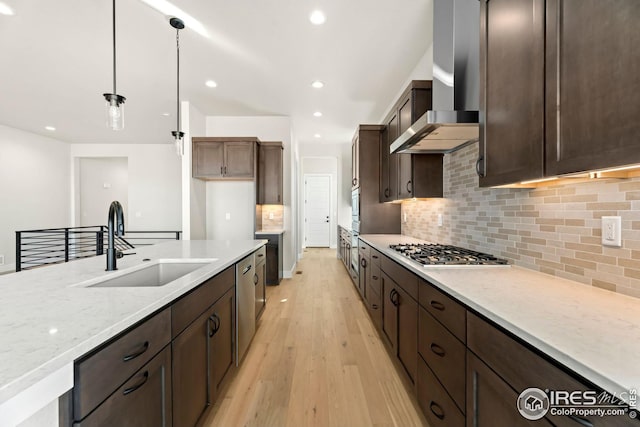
[{"x": 435, "y": 254}]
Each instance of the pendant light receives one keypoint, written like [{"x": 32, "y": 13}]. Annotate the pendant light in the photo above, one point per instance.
[
  {"x": 114, "y": 108},
  {"x": 177, "y": 134}
]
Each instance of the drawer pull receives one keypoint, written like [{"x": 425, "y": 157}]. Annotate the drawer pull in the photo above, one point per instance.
[
  {"x": 374, "y": 256},
  {"x": 363, "y": 263},
  {"x": 246, "y": 269},
  {"x": 255, "y": 279},
  {"x": 145, "y": 377},
  {"x": 394, "y": 297},
  {"x": 374, "y": 306},
  {"x": 132, "y": 356},
  {"x": 436, "y": 410},
  {"x": 259, "y": 255},
  {"x": 437, "y": 305},
  {"x": 437, "y": 350},
  {"x": 581, "y": 421},
  {"x": 214, "y": 325},
  {"x": 374, "y": 277}
]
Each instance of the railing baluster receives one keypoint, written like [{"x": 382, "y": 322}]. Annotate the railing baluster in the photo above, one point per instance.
[
  {"x": 18, "y": 251},
  {"x": 66, "y": 245}
]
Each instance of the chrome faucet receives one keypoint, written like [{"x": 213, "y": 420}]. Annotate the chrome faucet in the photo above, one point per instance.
[{"x": 115, "y": 213}]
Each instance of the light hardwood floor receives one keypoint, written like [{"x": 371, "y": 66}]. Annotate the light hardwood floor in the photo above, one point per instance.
[{"x": 316, "y": 360}]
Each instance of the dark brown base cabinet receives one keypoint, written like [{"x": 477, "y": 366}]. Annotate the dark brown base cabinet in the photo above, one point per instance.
[
  {"x": 168, "y": 369},
  {"x": 259, "y": 281},
  {"x": 466, "y": 371}
]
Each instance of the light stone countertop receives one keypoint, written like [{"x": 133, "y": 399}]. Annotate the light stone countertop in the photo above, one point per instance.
[
  {"x": 592, "y": 331},
  {"x": 48, "y": 319},
  {"x": 266, "y": 232}
]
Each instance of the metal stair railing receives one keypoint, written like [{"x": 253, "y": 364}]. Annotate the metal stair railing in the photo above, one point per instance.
[{"x": 36, "y": 248}]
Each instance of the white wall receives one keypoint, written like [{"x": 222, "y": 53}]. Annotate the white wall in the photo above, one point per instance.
[
  {"x": 267, "y": 128},
  {"x": 154, "y": 182},
  {"x": 100, "y": 181},
  {"x": 35, "y": 186},
  {"x": 237, "y": 199},
  {"x": 194, "y": 191}
]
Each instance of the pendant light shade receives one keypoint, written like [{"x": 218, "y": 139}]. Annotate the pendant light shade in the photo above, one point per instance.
[
  {"x": 178, "y": 135},
  {"x": 114, "y": 108}
]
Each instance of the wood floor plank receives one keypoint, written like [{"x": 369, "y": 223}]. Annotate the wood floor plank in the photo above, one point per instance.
[{"x": 316, "y": 360}]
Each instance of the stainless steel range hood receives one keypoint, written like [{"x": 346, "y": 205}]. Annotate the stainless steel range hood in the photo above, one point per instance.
[{"x": 453, "y": 120}]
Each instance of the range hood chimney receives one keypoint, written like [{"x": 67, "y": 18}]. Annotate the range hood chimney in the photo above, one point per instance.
[{"x": 453, "y": 120}]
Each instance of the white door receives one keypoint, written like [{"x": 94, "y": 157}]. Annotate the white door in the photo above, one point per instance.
[{"x": 317, "y": 208}]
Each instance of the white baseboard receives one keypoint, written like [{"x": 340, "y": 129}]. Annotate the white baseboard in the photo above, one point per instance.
[{"x": 288, "y": 274}]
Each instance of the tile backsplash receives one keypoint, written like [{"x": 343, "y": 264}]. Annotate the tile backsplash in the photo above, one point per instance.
[
  {"x": 554, "y": 229},
  {"x": 271, "y": 217}
]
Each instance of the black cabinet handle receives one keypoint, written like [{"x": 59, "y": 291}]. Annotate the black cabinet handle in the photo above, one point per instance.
[
  {"x": 260, "y": 255},
  {"x": 278, "y": 198},
  {"x": 246, "y": 269},
  {"x": 255, "y": 279},
  {"x": 353, "y": 181},
  {"x": 221, "y": 170},
  {"x": 479, "y": 166},
  {"x": 374, "y": 277},
  {"x": 394, "y": 296},
  {"x": 387, "y": 192},
  {"x": 145, "y": 377},
  {"x": 581, "y": 421},
  {"x": 437, "y": 305},
  {"x": 436, "y": 410},
  {"x": 363, "y": 263},
  {"x": 214, "y": 325},
  {"x": 374, "y": 306},
  {"x": 374, "y": 256},
  {"x": 137, "y": 353},
  {"x": 437, "y": 350},
  {"x": 409, "y": 184}
]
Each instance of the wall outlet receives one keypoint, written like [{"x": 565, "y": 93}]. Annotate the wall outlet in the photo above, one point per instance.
[
  {"x": 1, "y": 259},
  {"x": 440, "y": 220},
  {"x": 270, "y": 215},
  {"x": 405, "y": 216},
  {"x": 227, "y": 216},
  {"x": 138, "y": 214},
  {"x": 612, "y": 231}
]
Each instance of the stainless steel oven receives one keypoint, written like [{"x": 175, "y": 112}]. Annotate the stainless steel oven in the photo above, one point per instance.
[{"x": 355, "y": 205}]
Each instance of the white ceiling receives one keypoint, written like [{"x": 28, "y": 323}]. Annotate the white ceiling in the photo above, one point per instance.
[{"x": 56, "y": 64}]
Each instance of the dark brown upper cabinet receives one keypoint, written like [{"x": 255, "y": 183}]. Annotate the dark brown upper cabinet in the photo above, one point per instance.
[
  {"x": 592, "y": 105},
  {"x": 270, "y": 173},
  {"x": 217, "y": 158},
  {"x": 398, "y": 172},
  {"x": 355, "y": 162},
  {"x": 511, "y": 91},
  {"x": 556, "y": 99},
  {"x": 423, "y": 177}
]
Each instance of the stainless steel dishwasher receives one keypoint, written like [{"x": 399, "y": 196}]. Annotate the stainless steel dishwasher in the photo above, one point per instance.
[{"x": 245, "y": 305}]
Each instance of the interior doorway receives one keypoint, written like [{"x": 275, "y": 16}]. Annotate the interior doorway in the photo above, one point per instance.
[
  {"x": 100, "y": 181},
  {"x": 317, "y": 210}
]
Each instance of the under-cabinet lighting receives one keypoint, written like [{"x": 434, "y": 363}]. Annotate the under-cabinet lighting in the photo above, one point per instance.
[{"x": 535, "y": 181}]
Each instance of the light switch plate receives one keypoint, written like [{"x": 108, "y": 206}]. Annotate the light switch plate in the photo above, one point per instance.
[{"x": 612, "y": 231}]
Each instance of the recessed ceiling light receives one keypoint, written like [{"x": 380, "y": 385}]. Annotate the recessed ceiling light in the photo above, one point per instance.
[
  {"x": 166, "y": 114},
  {"x": 317, "y": 114},
  {"x": 317, "y": 17},
  {"x": 317, "y": 135},
  {"x": 211, "y": 83},
  {"x": 50, "y": 128},
  {"x": 5, "y": 10},
  {"x": 317, "y": 84}
]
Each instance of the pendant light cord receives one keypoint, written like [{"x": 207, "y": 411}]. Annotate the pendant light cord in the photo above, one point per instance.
[
  {"x": 114, "y": 47},
  {"x": 178, "y": 80}
]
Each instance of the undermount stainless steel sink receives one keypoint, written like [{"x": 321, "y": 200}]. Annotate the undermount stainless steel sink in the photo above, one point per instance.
[{"x": 159, "y": 273}]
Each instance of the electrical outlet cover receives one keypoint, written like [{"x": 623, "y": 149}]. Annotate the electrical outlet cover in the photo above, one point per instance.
[{"x": 612, "y": 231}]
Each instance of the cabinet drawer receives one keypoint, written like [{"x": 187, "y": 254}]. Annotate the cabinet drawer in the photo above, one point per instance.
[
  {"x": 261, "y": 255},
  {"x": 444, "y": 354},
  {"x": 403, "y": 277},
  {"x": 375, "y": 283},
  {"x": 522, "y": 368},
  {"x": 143, "y": 401},
  {"x": 447, "y": 311},
  {"x": 363, "y": 249},
  {"x": 99, "y": 374},
  {"x": 376, "y": 257},
  {"x": 437, "y": 406},
  {"x": 188, "y": 308}
]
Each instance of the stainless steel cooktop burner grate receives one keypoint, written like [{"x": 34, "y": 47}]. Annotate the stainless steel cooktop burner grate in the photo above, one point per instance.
[{"x": 435, "y": 254}]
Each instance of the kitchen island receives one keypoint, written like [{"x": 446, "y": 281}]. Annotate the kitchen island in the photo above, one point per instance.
[
  {"x": 52, "y": 316},
  {"x": 582, "y": 330}
]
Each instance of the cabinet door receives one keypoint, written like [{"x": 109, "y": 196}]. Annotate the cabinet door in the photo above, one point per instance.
[
  {"x": 407, "y": 332},
  {"x": 363, "y": 272},
  {"x": 490, "y": 400},
  {"x": 389, "y": 312},
  {"x": 592, "y": 104},
  {"x": 221, "y": 340},
  {"x": 355, "y": 163},
  {"x": 144, "y": 400},
  {"x": 270, "y": 175},
  {"x": 208, "y": 159},
  {"x": 259, "y": 282},
  {"x": 272, "y": 274},
  {"x": 405, "y": 176},
  {"x": 389, "y": 162},
  {"x": 190, "y": 372},
  {"x": 239, "y": 159},
  {"x": 511, "y": 91}
]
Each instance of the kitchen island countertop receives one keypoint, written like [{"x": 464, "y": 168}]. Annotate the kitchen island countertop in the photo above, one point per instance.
[
  {"x": 592, "y": 331},
  {"x": 49, "y": 318}
]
